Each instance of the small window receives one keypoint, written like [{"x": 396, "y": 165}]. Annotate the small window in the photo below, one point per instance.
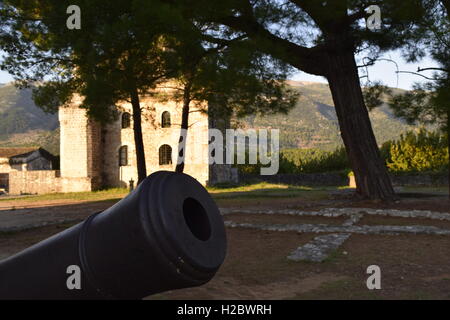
[
  {"x": 123, "y": 156},
  {"x": 165, "y": 119},
  {"x": 126, "y": 120},
  {"x": 165, "y": 155}
]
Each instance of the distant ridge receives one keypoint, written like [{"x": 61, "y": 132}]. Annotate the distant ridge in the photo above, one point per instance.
[
  {"x": 24, "y": 124},
  {"x": 295, "y": 83},
  {"x": 311, "y": 124}
]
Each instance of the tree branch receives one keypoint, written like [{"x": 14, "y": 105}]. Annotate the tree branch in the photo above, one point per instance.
[
  {"x": 418, "y": 74},
  {"x": 222, "y": 42},
  {"x": 303, "y": 58},
  {"x": 437, "y": 69},
  {"x": 372, "y": 61}
]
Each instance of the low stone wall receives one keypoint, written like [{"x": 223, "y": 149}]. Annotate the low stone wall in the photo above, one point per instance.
[
  {"x": 420, "y": 180},
  {"x": 336, "y": 179},
  {"x": 45, "y": 181},
  {"x": 34, "y": 182}
]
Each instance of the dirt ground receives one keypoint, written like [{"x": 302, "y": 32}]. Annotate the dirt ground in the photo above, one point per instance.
[
  {"x": 283, "y": 219},
  {"x": 413, "y": 267},
  {"x": 256, "y": 267}
]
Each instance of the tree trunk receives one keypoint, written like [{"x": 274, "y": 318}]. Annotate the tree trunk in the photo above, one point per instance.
[
  {"x": 184, "y": 126},
  {"x": 138, "y": 140},
  {"x": 370, "y": 172},
  {"x": 448, "y": 145}
]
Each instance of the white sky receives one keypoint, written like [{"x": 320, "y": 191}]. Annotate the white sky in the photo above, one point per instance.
[
  {"x": 382, "y": 70},
  {"x": 386, "y": 72}
]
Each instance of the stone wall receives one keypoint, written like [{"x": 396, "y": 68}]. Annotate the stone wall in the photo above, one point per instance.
[
  {"x": 222, "y": 174},
  {"x": 74, "y": 141},
  {"x": 94, "y": 154},
  {"x": 34, "y": 182},
  {"x": 76, "y": 184},
  {"x": 45, "y": 181},
  {"x": 81, "y": 149},
  {"x": 420, "y": 180}
]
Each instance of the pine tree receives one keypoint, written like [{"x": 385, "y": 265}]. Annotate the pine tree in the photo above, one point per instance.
[
  {"x": 115, "y": 56},
  {"x": 429, "y": 102},
  {"x": 232, "y": 78},
  {"x": 322, "y": 38}
]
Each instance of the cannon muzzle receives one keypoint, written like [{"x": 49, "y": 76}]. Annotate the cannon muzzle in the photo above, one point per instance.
[{"x": 167, "y": 234}]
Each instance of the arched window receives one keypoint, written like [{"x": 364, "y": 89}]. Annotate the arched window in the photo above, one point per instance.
[
  {"x": 165, "y": 119},
  {"x": 123, "y": 156},
  {"x": 126, "y": 120},
  {"x": 165, "y": 155}
]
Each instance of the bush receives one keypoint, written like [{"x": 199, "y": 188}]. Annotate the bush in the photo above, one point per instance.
[
  {"x": 306, "y": 161},
  {"x": 313, "y": 160},
  {"x": 418, "y": 152},
  {"x": 423, "y": 151}
]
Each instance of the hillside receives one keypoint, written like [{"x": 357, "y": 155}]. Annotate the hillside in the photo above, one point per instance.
[
  {"x": 311, "y": 124},
  {"x": 24, "y": 124}
]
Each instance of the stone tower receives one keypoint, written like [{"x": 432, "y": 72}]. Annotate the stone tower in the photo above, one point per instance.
[
  {"x": 80, "y": 148},
  {"x": 95, "y": 156},
  {"x": 160, "y": 139}
]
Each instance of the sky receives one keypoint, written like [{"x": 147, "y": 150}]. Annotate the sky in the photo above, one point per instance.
[
  {"x": 386, "y": 72},
  {"x": 382, "y": 70}
]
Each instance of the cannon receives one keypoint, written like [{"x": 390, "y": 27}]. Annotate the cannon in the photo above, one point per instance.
[{"x": 167, "y": 234}]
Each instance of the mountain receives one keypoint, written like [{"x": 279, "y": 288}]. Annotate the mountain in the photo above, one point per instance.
[
  {"x": 312, "y": 123},
  {"x": 24, "y": 124}
]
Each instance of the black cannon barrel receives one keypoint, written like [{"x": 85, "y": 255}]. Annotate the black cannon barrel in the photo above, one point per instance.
[{"x": 167, "y": 234}]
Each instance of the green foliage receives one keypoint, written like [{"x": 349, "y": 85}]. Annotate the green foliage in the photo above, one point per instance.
[
  {"x": 424, "y": 151},
  {"x": 374, "y": 94},
  {"x": 311, "y": 160},
  {"x": 425, "y": 104},
  {"x": 306, "y": 161},
  {"x": 429, "y": 101},
  {"x": 116, "y": 53},
  {"x": 416, "y": 152}
]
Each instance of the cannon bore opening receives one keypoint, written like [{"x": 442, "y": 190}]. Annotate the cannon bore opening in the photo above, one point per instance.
[{"x": 196, "y": 219}]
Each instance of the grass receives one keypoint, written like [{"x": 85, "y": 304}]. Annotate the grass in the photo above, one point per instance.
[
  {"x": 250, "y": 191},
  {"x": 108, "y": 194},
  {"x": 264, "y": 190},
  {"x": 244, "y": 192},
  {"x": 256, "y": 186}
]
